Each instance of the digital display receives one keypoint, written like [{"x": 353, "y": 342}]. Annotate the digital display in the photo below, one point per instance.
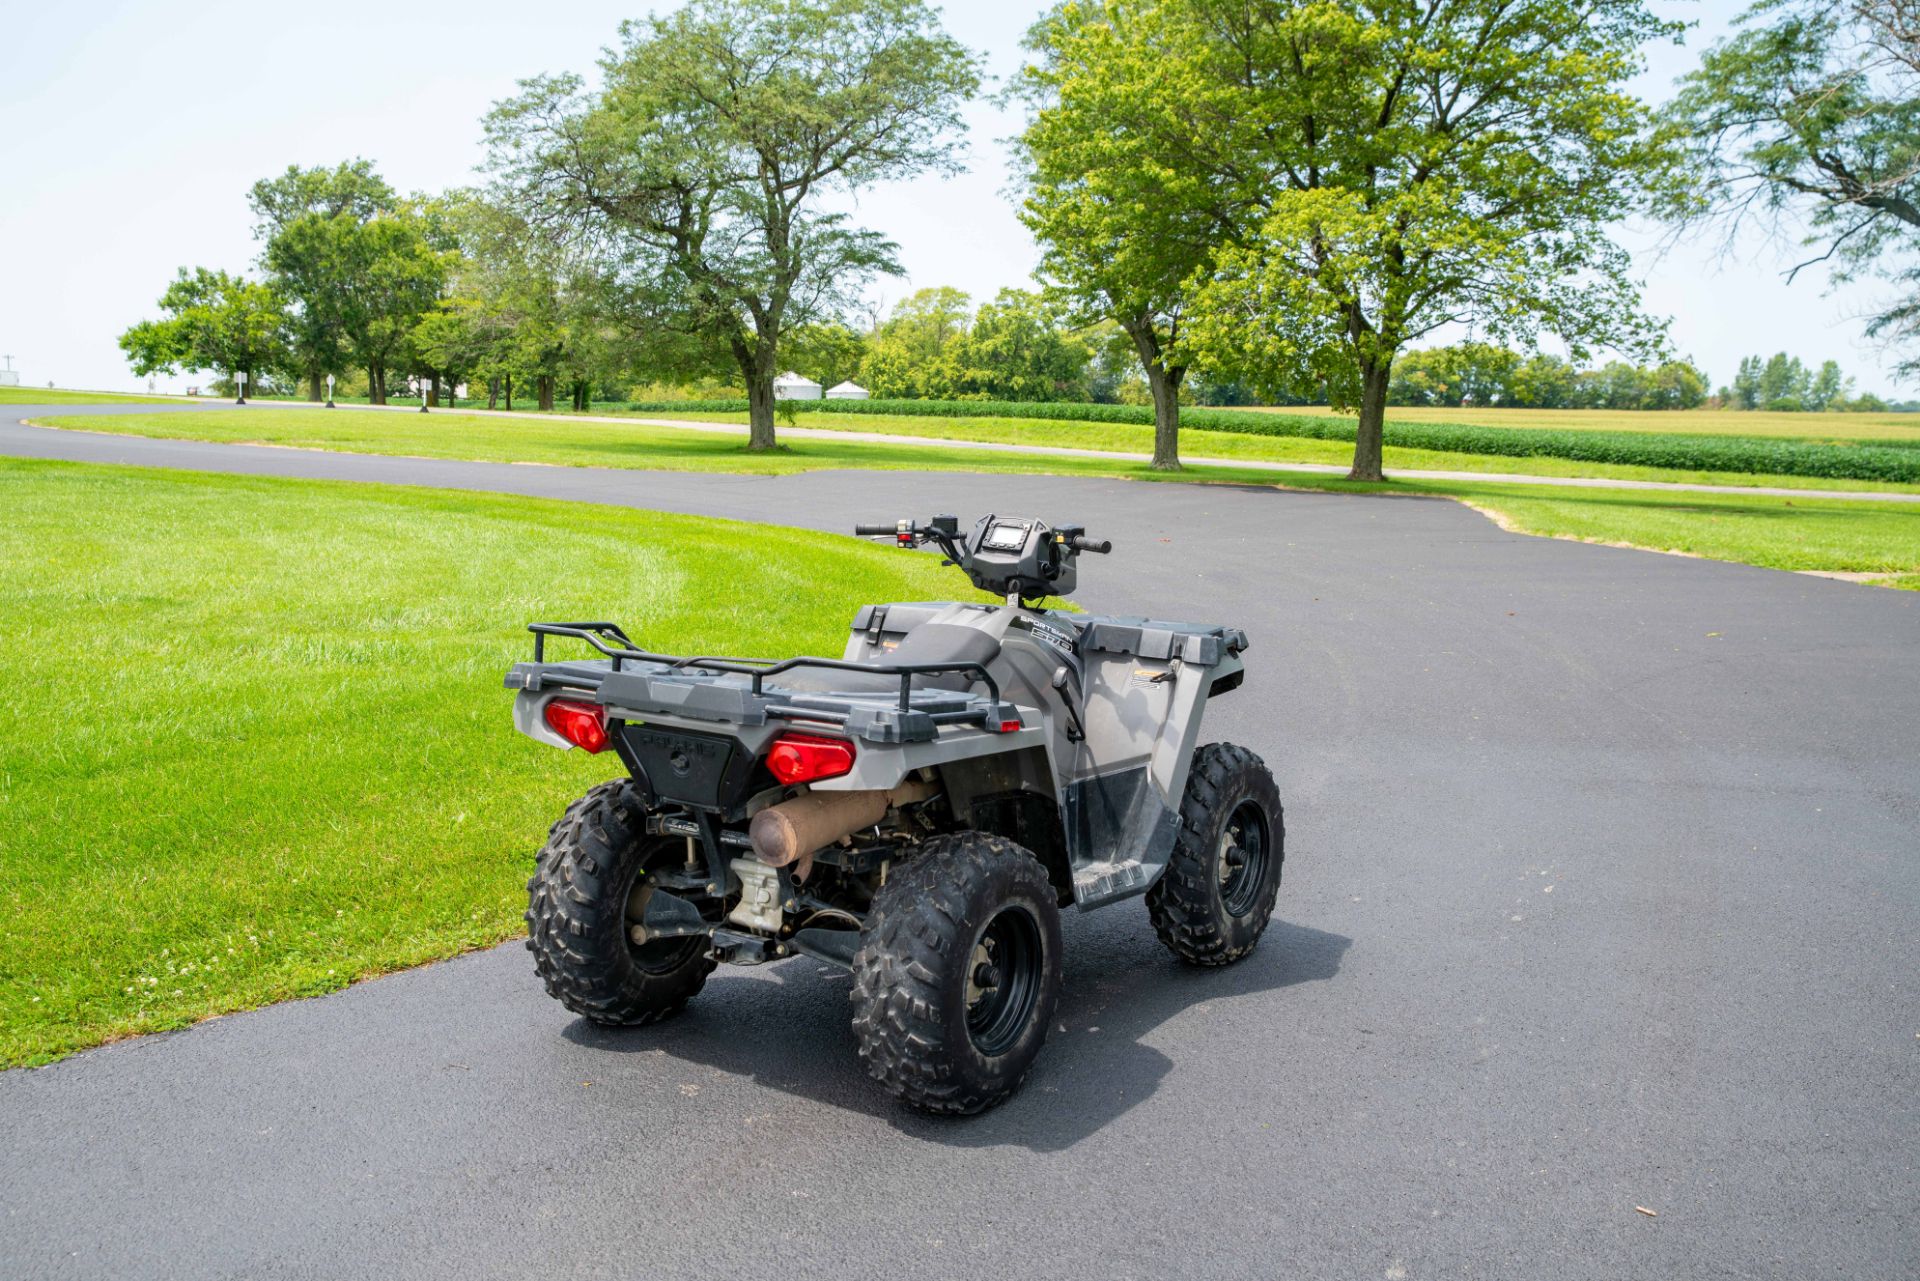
[{"x": 1002, "y": 537}]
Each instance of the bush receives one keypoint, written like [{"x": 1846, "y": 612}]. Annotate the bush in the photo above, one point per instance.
[{"x": 1884, "y": 462}]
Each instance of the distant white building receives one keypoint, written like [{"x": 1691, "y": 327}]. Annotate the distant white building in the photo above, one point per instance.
[
  {"x": 791, "y": 386},
  {"x": 848, "y": 391}
]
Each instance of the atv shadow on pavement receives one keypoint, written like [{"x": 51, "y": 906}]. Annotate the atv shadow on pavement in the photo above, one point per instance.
[{"x": 785, "y": 1026}]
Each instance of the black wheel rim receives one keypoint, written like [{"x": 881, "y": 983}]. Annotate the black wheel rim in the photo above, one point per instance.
[
  {"x": 1243, "y": 858},
  {"x": 657, "y": 956},
  {"x": 1003, "y": 981}
]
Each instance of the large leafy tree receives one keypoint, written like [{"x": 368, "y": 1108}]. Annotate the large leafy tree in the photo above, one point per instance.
[
  {"x": 1807, "y": 120},
  {"x": 701, "y": 167},
  {"x": 1016, "y": 351},
  {"x": 913, "y": 352},
  {"x": 1138, "y": 167},
  {"x": 213, "y": 321},
  {"x": 1438, "y": 162},
  {"x": 308, "y": 220},
  {"x": 361, "y": 265}
]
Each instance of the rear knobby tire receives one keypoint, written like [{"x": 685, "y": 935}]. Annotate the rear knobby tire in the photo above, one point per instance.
[
  {"x": 1209, "y": 909},
  {"x": 577, "y": 910},
  {"x": 957, "y": 974}
]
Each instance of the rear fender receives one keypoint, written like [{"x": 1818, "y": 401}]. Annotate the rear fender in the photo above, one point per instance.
[{"x": 530, "y": 715}]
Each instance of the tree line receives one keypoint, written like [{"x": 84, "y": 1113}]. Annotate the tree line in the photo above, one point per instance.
[
  {"x": 1472, "y": 373},
  {"x": 371, "y": 288},
  {"x": 1259, "y": 198}
]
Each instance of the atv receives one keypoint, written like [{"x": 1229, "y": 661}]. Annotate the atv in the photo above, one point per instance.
[{"x": 917, "y": 811}]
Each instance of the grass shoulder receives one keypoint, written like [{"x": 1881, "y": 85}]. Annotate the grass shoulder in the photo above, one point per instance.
[{"x": 61, "y": 396}]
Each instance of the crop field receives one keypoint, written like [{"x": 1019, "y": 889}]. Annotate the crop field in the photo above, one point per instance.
[{"x": 1689, "y": 422}]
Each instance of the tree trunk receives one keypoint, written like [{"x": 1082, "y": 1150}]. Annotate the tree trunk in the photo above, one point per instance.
[
  {"x": 760, "y": 411},
  {"x": 376, "y": 382},
  {"x": 433, "y": 391},
  {"x": 1165, "y": 385},
  {"x": 509, "y": 393},
  {"x": 314, "y": 389},
  {"x": 1373, "y": 418},
  {"x": 544, "y": 383},
  {"x": 493, "y": 393}
]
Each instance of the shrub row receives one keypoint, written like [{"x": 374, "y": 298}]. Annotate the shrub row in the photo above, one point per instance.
[{"x": 1893, "y": 461}]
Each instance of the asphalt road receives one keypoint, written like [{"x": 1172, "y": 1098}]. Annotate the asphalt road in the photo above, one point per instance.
[{"x": 1603, "y": 892}]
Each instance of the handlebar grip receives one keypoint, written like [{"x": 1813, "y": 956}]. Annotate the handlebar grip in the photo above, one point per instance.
[
  {"x": 1081, "y": 543},
  {"x": 874, "y": 531}
]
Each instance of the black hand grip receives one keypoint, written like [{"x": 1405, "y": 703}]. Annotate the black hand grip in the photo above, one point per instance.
[
  {"x": 1081, "y": 543},
  {"x": 872, "y": 531}
]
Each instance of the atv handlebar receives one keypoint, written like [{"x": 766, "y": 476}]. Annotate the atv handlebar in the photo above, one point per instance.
[
  {"x": 1078, "y": 542},
  {"x": 1017, "y": 558}
]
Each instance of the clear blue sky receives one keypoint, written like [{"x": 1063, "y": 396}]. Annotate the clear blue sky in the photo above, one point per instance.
[{"x": 132, "y": 132}]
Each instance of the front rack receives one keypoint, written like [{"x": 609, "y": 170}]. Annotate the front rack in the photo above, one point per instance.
[{"x": 599, "y": 636}]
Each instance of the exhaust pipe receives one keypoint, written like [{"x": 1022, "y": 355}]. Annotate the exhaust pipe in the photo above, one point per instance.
[{"x": 792, "y": 830}]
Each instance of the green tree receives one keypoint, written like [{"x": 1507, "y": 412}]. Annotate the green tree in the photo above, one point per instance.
[
  {"x": 914, "y": 352},
  {"x": 703, "y": 163},
  {"x": 213, "y": 321},
  {"x": 1544, "y": 382},
  {"x": 1829, "y": 388},
  {"x": 1015, "y": 350},
  {"x": 1807, "y": 119},
  {"x": 1746, "y": 384},
  {"x": 398, "y": 275},
  {"x": 1138, "y": 165},
  {"x": 1783, "y": 383},
  {"x": 1439, "y": 162},
  {"x": 308, "y": 220},
  {"x": 1677, "y": 384}
]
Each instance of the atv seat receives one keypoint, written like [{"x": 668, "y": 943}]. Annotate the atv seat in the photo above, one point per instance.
[{"x": 927, "y": 643}]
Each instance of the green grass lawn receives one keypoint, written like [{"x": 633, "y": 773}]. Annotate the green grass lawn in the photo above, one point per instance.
[
  {"x": 256, "y": 744},
  {"x": 1782, "y": 533},
  {"x": 1777, "y": 533},
  {"x": 54, "y": 396}
]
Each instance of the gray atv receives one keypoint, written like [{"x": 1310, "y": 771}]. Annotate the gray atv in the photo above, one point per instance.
[{"x": 917, "y": 811}]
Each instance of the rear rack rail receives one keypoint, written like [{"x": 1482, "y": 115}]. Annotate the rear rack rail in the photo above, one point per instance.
[{"x": 610, "y": 640}]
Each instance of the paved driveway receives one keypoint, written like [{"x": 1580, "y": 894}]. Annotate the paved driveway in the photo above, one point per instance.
[{"x": 1603, "y": 892}]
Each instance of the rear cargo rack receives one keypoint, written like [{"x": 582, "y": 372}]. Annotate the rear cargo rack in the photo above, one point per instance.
[{"x": 916, "y": 712}]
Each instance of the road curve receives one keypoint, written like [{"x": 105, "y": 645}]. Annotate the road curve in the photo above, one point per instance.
[{"x": 1602, "y": 896}]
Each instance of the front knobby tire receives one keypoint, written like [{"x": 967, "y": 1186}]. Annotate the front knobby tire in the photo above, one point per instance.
[
  {"x": 577, "y": 908},
  {"x": 1217, "y": 895},
  {"x": 958, "y": 974}
]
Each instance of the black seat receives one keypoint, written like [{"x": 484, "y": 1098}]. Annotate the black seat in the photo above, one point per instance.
[{"x": 927, "y": 643}]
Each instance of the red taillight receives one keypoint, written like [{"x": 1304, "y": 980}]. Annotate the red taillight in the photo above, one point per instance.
[
  {"x": 582, "y": 724},
  {"x": 1008, "y": 727},
  {"x": 802, "y": 758}
]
